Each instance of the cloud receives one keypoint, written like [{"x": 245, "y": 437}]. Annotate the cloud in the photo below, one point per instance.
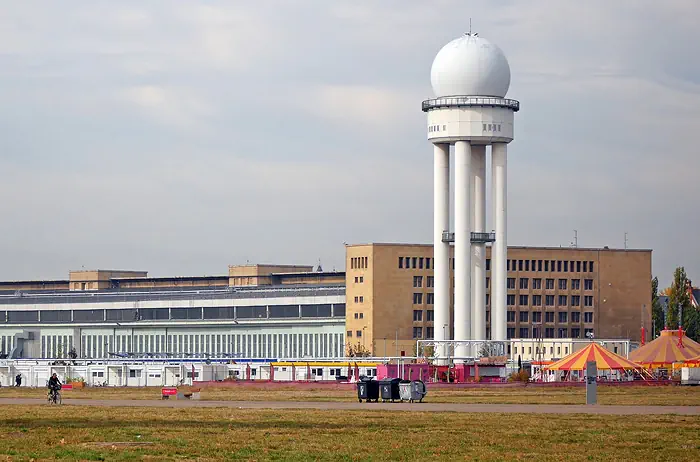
[{"x": 181, "y": 137}]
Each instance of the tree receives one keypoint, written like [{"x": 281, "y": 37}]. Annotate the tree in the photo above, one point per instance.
[
  {"x": 657, "y": 311},
  {"x": 489, "y": 349},
  {"x": 679, "y": 302},
  {"x": 357, "y": 351}
]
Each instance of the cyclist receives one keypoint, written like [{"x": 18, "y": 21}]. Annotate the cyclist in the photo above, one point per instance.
[{"x": 54, "y": 385}]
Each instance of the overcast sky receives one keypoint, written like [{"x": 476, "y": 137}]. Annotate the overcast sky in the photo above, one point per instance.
[{"x": 180, "y": 137}]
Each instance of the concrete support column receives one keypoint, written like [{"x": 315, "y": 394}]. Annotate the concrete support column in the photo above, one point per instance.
[
  {"x": 478, "y": 250},
  {"x": 462, "y": 245},
  {"x": 441, "y": 250},
  {"x": 500, "y": 246}
]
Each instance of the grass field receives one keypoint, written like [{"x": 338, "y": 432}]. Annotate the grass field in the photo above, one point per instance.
[
  {"x": 86, "y": 433},
  {"x": 668, "y": 395}
]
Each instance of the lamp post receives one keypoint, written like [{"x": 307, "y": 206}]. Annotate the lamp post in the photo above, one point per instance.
[{"x": 385, "y": 347}]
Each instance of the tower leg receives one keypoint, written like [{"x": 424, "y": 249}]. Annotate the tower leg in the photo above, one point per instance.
[
  {"x": 478, "y": 250},
  {"x": 462, "y": 246},
  {"x": 500, "y": 246},
  {"x": 441, "y": 250}
]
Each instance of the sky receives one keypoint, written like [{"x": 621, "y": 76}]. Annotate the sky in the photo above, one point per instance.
[{"x": 180, "y": 137}]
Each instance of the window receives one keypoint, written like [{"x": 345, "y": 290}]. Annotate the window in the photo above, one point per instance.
[
  {"x": 225, "y": 312},
  {"x": 546, "y": 265},
  {"x": 430, "y": 315},
  {"x": 488, "y": 281},
  {"x": 549, "y": 316},
  {"x": 339, "y": 310},
  {"x": 317, "y": 311},
  {"x": 524, "y": 332},
  {"x": 575, "y": 316},
  {"x": 524, "y": 300},
  {"x": 520, "y": 265},
  {"x": 357, "y": 316},
  {"x": 575, "y": 300},
  {"x": 563, "y": 332},
  {"x": 588, "y": 284},
  {"x": 349, "y": 333},
  {"x": 277, "y": 311},
  {"x": 417, "y": 299},
  {"x": 429, "y": 332},
  {"x": 537, "y": 283},
  {"x": 578, "y": 266},
  {"x": 536, "y": 316},
  {"x": 588, "y": 317},
  {"x": 549, "y": 300},
  {"x": 417, "y": 315},
  {"x": 420, "y": 263},
  {"x": 562, "y": 284},
  {"x": 566, "y": 266},
  {"x": 549, "y": 332},
  {"x": 587, "y": 332},
  {"x": 510, "y": 332},
  {"x": 511, "y": 283},
  {"x": 488, "y": 264},
  {"x": 539, "y": 265},
  {"x": 563, "y": 300},
  {"x": 196, "y": 313},
  {"x": 414, "y": 261},
  {"x": 527, "y": 265},
  {"x": 510, "y": 300},
  {"x": 50, "y": 316},
  {"x": 510, "y": 316},
  {"x": 524, "y": 316},
  {"x": 575, "y": 332},
  {"x": 427, "y": 262},
  {"x": 585, "y": 266},
  {"x": 400, "y": 262},
  {"x": 430, "y": 281},
  {"x": 558, "y": 266},
  {"x": 524, "y": 282},
  {"x": 549, "y": 284},
  {"x": 88, "y": 315},
  {"x": 575, "y": 284},
  {"x": 588, "y": 300},
  {"x": 537, "y": 300},
  {"x": 590, "y": 266},
  {"x": 563, "y": 317},
  {"x": 417, "y": 281},
  {"x": 358, "y": 333},
  {"x": 488, "y": 299},
  {"x": 417, "y": 332}
]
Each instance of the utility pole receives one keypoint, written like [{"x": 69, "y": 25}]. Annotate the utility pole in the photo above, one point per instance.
[{"x": 625, "y": 240}]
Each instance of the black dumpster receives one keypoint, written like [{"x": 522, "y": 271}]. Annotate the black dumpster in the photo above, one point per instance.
[
  {"x": 368, "y": 390},
  {"x": 389, "y": 389}
]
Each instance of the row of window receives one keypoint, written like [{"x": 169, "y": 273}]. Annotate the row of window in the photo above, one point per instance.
[
  {"x": 359, "y": 279},
  {"x": 560, "y": 266},
  {"x": 418, "y": 332},
  {"x": 322, "y": 345},
  {"x": 359, "y": 262},
  {"x": 175, "y": 314},
  {"x": 418, "y": 315},
  {"x": 418, "y": 281},
  {"x": 562, "y": 284},
  {"x": 523, "y": 300},
  {"x": 524, "y": 316},
  {"x": 563, "y": 300},
  {"x": 549, "y": 332}
]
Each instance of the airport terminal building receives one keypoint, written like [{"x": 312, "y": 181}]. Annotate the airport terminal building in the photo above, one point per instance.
[
  {"x": 257, "y": 311},
  {"x": 381, "y": 305}
]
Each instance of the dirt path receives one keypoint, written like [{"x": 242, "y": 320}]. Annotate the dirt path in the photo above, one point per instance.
[{"x": 354, "y": 406}]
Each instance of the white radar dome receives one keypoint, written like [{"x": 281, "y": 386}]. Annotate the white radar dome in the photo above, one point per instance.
[{"x": 470, "y": 66}]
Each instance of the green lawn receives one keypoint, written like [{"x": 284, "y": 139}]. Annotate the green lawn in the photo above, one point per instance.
[
  {"x": 640, "y": 395},
  {"x": 87, "y": 433}
]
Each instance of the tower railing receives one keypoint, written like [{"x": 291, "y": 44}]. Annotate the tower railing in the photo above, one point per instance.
[{"x": 467, "y": 101}]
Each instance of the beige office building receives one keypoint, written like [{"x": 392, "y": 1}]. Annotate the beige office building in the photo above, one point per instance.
[{"x": 556, "y": 293}]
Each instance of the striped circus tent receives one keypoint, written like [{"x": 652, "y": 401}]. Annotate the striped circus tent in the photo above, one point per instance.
[
  {"x": 605, "y": 360},
  {"x": 665, "y": 350}
]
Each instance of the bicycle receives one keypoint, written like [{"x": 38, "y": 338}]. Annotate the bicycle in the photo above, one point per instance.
[{"x": 54, "y": 397}]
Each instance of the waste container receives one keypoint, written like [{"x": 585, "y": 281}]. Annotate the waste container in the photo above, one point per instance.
[
  {"x": 412, "y": 390},
  {"x": 389, "y": 389},
  {"x": 368, "y": 390}
]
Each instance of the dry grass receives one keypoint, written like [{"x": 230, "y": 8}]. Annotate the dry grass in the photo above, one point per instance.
[
  {"x": 85, "y": 433},
  {"x": 653, "y": 396}
]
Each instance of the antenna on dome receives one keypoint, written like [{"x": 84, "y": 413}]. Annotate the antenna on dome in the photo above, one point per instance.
[{"x": 470, "y": 26}]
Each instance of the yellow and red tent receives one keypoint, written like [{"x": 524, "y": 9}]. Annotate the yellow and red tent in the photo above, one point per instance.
[
  {"x": 605, "y": 360},
  {"x": 665, "y": 350}
]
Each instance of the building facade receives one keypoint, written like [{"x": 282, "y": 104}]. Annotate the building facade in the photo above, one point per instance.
[
  {"x": 257, "y": 311},
  {"x": 551, "y": 293}
]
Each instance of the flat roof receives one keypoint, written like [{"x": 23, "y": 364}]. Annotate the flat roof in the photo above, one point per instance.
[{"x": 519, "y": 247}]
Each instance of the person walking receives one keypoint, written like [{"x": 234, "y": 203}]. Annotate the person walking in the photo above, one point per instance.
[{"x": 18, "y": 380}]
